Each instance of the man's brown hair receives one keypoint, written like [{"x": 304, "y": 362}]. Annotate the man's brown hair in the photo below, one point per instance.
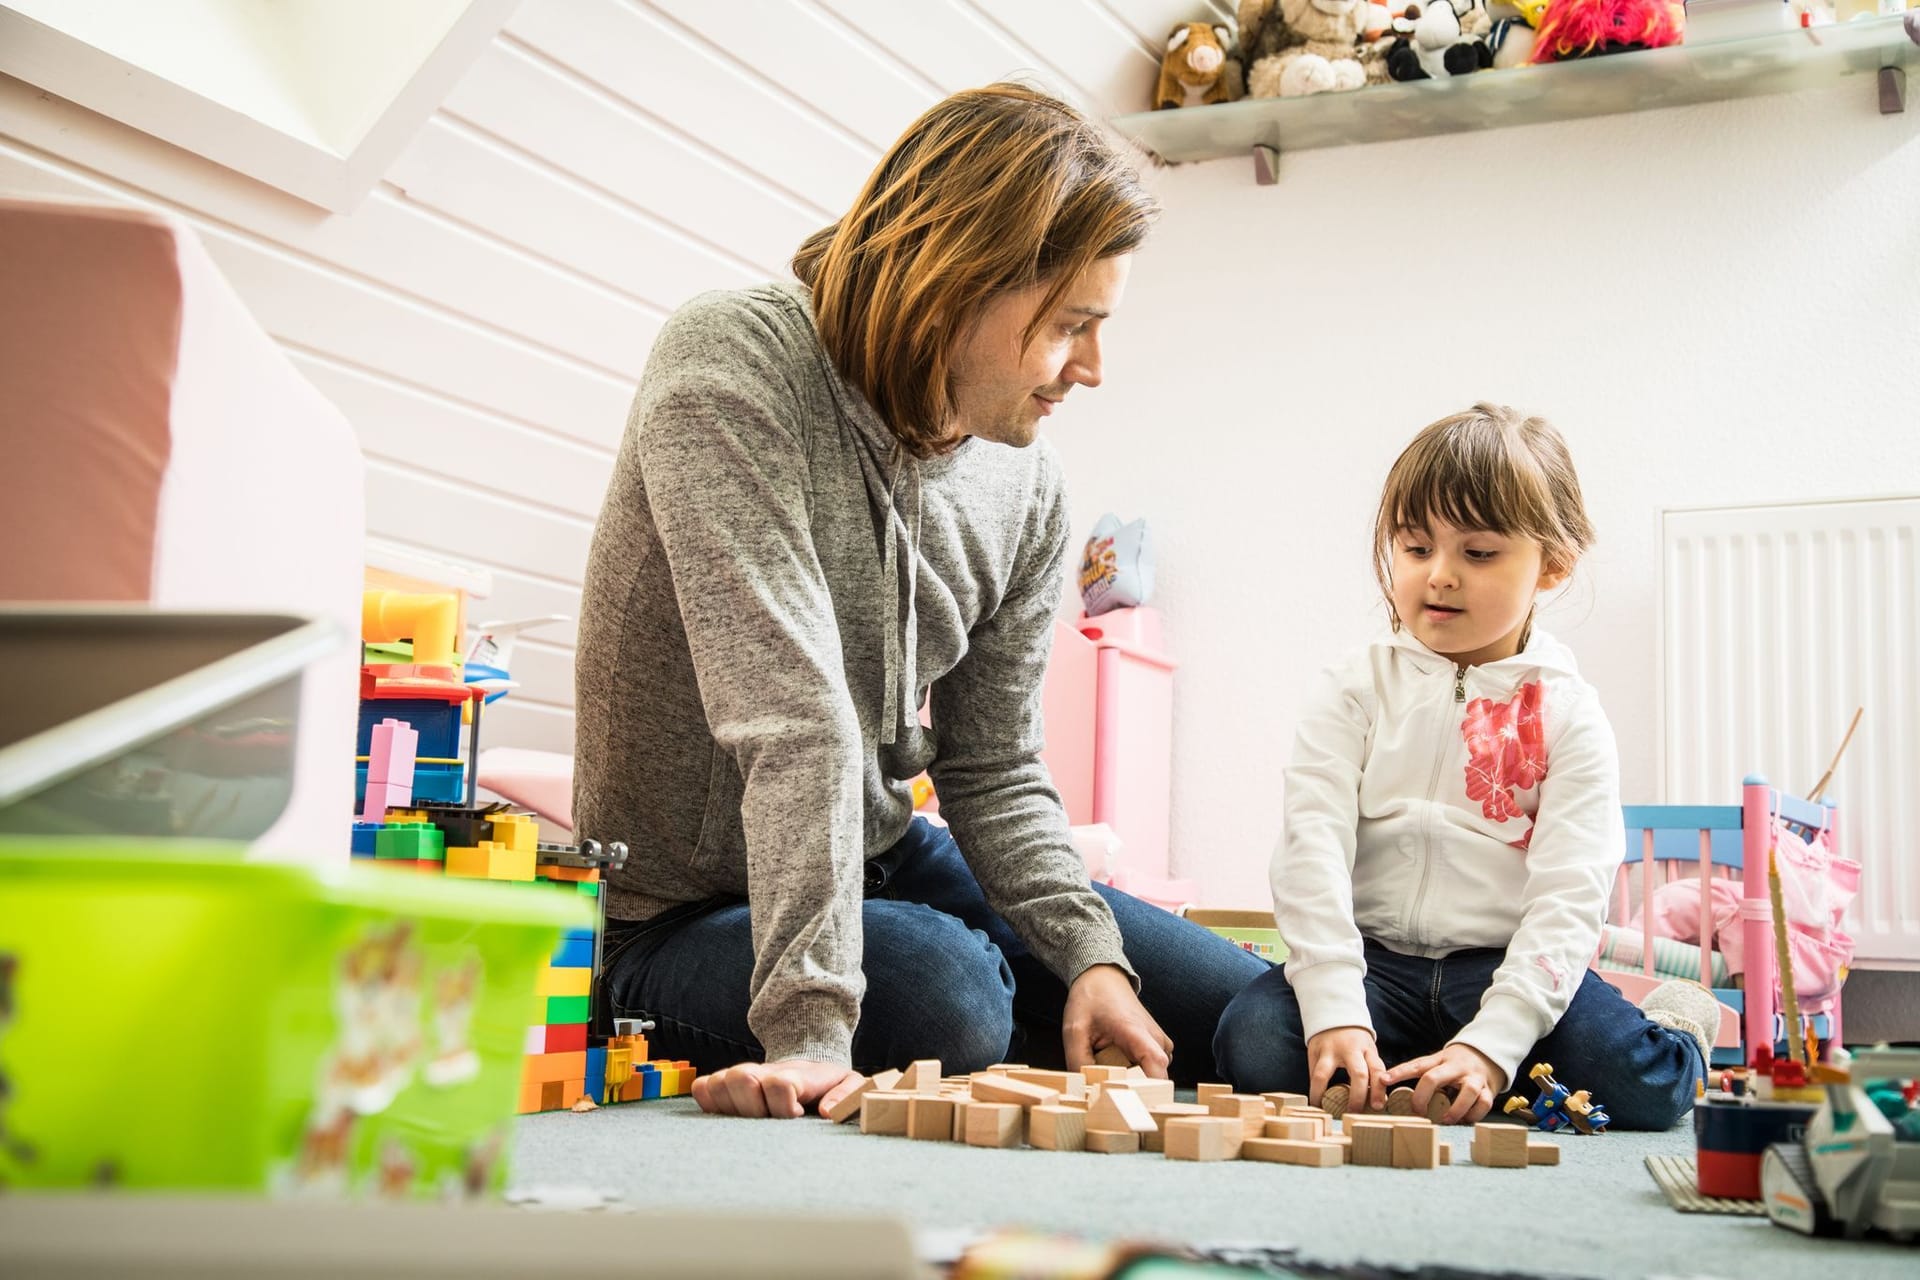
[{"x": 993, "y": 190}]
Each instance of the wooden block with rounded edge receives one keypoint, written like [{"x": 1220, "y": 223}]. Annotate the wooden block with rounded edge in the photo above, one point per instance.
[
  {"x": 1204, "y": 1094},
  {"x": 1108, "y": 1142},
  {"x": 849, "y": 1107},
  {"x": 1068, "y": 1084},
  {"x": 1416, "y": 1146},
  {"x": 1499, "y": 1146},
  {"x": 1313, "y": 1155},
  {"x": 1372, "y": 1143},
  {"x": 884, "y": 1111},
  {"x": 1113, "y": 1056},
  {"x": 994, "y": 1124},
  {"x": 930, "y": 1118},
  {"x": 988, "y": 1087},
  {"x": 1204, "y": 1138},
  {"x": 922, "y": 1077},
  {"x": 1119, "y": 1109},
  {"x": 1291, "y": 1129},
  {"x": 1334, "y": 1099},
  {"x": 1057, "y": 1128},
  {"x": 1281, "y": 1101},
  {"x": 1539, "y": 1152}
]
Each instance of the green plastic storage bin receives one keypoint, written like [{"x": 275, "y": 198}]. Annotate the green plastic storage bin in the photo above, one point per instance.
[{"x": 172, "y": 1016}]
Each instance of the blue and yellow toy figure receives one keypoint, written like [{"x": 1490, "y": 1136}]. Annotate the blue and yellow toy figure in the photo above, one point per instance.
[{"x": 1556, "y": 1108}]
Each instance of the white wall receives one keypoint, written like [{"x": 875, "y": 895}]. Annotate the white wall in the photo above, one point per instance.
[
  {"x": 483, "y": 316},
  {"x": 1717, "y": 304}
]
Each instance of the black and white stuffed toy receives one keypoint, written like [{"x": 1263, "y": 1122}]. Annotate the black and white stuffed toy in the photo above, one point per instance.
[{"x": 1446, "y": 38}]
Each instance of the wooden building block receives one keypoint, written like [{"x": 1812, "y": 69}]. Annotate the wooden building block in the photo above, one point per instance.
[
  {"x": 1157, "y": 1140},
  {"x": 963, "y": 1103},
  {"x": 1372, "y": 1143},
  {"x": 1400, "y": 1101},
  {"x": 1334, "y": 1099},
  {"x": 849, "y": 1107},
  {"x": 988, "y": 1087},
  {"x": 1004, "y": 1067},
  {"x": 1446, "y": 1153},
  {"x": 1155, "y": 1093},
  {"x": 1292, "y": 1129},
  {"x": 1204, "y": 1138},
  {"x": 1281, "y": 1101},
  {"x": 1113, "y": 1056},
  {"x": 1249, "y": 1110},
  {"x": 1540, "y": 1151},
  {"x": 1313, "y": 1155},
  {"x": 994, "y": 1124},
  {"x": 1080, "y": 1103},
  {"x": 1206, "y": 1093},
  {"x": 930, "y": 1118},
  {"x": 1416, "y": 1146},
  {"x": 1068, "y": 1084},
  {"x": 1500, "y": 1146},
  {"x": 922, "y": 1077},
  {"x": 884, "y": 1111},
  {"x": 1057, "y": 1128},
  {"x": 1108, "y": 1142},
  {"x": 1119, "y": 1109},
  {"x": 1096, "y": 1074}
]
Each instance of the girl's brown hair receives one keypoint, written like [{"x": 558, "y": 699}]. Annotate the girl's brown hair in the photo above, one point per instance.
[
  {"x": 992, "y": 190},
  {"x": 1490, "y": 468}
]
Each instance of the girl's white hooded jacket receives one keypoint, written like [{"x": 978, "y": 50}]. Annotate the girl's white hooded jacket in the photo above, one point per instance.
[{"x": 1434, "y": 808}]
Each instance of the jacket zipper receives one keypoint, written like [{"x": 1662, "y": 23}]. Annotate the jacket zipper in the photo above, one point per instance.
[{"x": 1433, "y": 789}]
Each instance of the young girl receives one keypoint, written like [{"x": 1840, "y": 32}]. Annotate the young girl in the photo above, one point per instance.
[{"x": 1453, "y": 823}]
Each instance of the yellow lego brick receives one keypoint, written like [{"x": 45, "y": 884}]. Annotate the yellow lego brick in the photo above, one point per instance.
[
  {"x": 507, "y": 864},
  {"x": 468, "y": 863},
  {"x": 515, "y": 831},
  {"x": 564, "y": 982}
]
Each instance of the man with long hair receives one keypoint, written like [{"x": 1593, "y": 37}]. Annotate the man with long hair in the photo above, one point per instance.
[{"x": 826, "y": 517}]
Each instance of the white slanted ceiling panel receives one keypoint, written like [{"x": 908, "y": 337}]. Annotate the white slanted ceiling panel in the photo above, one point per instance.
[
  {"x": 581, "y": 130},
  {"x": 1151, "y": 20},
  {"x": 712, "y": 100},
  {"x": 493, "y": 528},
  {"x": 949, "y": 42},
  {"x": 1108, "y": 63}
]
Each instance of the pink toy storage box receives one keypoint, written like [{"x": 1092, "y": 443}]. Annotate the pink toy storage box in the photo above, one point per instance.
[{"x": 1108, "y": 703}]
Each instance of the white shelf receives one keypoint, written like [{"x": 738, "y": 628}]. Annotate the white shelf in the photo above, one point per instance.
[{"x": 1809, "y": 58}]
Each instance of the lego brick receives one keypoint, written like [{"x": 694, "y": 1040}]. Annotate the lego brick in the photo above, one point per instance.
[
  {"x": 1056, "y": 1128},
  {"x": 571, "y": 1091},
  {"x": 364, "y": 835},
  {"x": 464, "y": 828},
  {"x": 1109, "y": 1143},
  {"x": 930, "y": 1118},
  {"x": 554, "y": 871},
  {"x": 548, "y": 1067},
  {"x": 565, "y": 980},
  {"x": 1312, "y": 1155},
  {"x": 516, "y": 831},
  {"x": 589, "y": 889},
  {"x": 885, "y": 1112},
  {"x": 1500, "y": 1146},
  {"x": 1372, "y": 1143},
  {"x": 585, "y": 933},
  {"x": 988, "y": 1087},
  {"x": 597, "y": 1074},
  {"x": 1207, "y": 1137},
  {"x": 566, "y": 1009},
  {"x": 573, "y": 953},
  {"x": 552, "y": 1093},
  {"x": 467, "y": 863},
  {"x": 530, "y": 1091},
  {"x": 566, "y": 1037},
  {"x": 1416, "y": 1146},
  {"x": 391, "y": 748},
  {"x": 849, "y": 1106},
  {"x": 373, "y": 807},
  {"x": 410, "y": 841},
  {"x": 994, "y": 1124},
  {"x": 535, "y": 1041}
]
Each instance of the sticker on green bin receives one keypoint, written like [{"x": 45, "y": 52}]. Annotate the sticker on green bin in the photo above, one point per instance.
[
  {"x": 357, "y": 1034},
  {"x": 565, "y": 1009}
]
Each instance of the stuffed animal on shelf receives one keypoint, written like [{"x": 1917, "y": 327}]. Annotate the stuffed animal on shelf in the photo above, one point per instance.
[
  {"x": 1263, "y": 31},
  {"x": 1195, "y": 68},
  {"x": 1511, "y": 38},
  {"x": 1323, "y": 57},
  {"x": 1588, "y": 28},
  {"x": 1443, "y": 39},
  {"x": 1376, "y": 37}
]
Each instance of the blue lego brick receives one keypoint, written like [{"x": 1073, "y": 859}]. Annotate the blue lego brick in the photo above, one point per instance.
[
  {"x": 574, "y": 953},
  {"x": 439, "y": 784},
  {"x": 365, "y": 835},
  {"x": 649, "y": 1081},
  {"x": 437, "y": 723},
  {"x": 572, "y": 935},
  {"x": 597, "y": 1075}
]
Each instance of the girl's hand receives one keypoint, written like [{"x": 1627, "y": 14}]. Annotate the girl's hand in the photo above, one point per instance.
[
  {"x": 1349, "y": 1049},
  {"x": 1461, "y": 1069}
]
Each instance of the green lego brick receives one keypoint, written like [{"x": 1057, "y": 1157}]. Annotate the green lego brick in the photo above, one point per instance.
[
  {"x": 409, "y": 841},
  {"x": 589, "y": 887},
  {"x": 563, "y": 1009}
]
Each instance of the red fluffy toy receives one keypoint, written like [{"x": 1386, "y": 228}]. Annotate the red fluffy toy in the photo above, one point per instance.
[{"x": 1588, "y": 28}]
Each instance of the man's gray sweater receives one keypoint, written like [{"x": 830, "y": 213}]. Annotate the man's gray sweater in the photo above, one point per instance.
[{"x": 774, "y": 589}]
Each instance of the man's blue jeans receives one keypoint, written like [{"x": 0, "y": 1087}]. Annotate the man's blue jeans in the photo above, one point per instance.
[
  {"x": 947, "y": 978},
  {"x": 1641, "y": 1072}
]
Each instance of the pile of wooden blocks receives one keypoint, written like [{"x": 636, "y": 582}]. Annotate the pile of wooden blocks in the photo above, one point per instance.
[{"x": 1117, "y": 1110}]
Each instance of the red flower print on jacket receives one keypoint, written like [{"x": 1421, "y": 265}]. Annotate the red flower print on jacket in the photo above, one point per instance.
[{"x": 1506, "y": 751}]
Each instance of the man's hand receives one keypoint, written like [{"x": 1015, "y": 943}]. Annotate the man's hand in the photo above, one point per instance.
[
  {"x": 1349, "y": 1049},
  {"x": 1102, "y": 1011},
  {"x": 783, "y": 1090},
  {"x": 1462, "y": 1069}
]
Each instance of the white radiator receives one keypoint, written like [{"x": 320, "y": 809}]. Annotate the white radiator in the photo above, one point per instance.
[{"x": 1776, "y": 622}]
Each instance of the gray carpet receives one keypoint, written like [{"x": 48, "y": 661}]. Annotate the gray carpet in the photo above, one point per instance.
[{"x": 1597, "y": 1214}]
